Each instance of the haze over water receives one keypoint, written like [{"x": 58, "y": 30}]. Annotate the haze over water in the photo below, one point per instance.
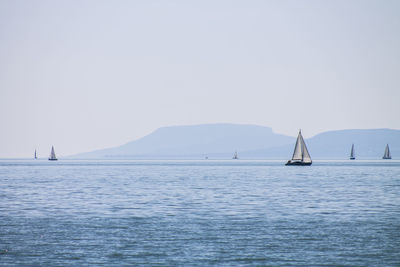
[
  {"x": 94, "y": 75},
  {"x": 89, "y": 74},
  {"x": 74, "y": 213}
]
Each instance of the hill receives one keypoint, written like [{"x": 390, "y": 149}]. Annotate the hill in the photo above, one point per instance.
[
  {"x": 369, "y": 144},
  {"x": 196, "y": 141},
  {"x": 251, "y": 142}
]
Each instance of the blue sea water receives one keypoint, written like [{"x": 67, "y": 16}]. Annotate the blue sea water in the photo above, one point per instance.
[{"x": 199, "y": 213}]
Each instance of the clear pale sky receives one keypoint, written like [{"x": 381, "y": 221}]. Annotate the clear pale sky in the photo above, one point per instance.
[{"x": 84, "y": 75}]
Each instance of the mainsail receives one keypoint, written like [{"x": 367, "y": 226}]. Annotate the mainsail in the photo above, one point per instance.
[
  {"x": 52, "y": 154},
  {"x": 352, "y": 152},
  {"x": 300, "y": 151},
  {"x": 387, "y": 155}
]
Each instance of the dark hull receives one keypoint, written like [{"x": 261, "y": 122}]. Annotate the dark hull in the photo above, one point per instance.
[
  {"x": 297, "y": 163},
  {"x": 52, "y": 159},
  {"x": 387, "y": 158},
  {"x": 352, "y": 158}
]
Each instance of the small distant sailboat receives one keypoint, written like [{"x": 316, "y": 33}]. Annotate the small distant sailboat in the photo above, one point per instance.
[
  {"x": 300, "y": 156},
  {"x": 35, "y": 154},
  {"x": 235, "y": 156},
  {"x": 52, "y": 154},
  {"x": 352, "y": 156},
  {"x": 387, "y": 154}
]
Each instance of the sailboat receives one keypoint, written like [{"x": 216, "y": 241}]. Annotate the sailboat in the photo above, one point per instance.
[
  {"x": 235, "y": 156},
  {"x": 35, "y": 154},
  {"x": 352, "y": 152},
  {"x": 387, "y": 153},
  {"x": 300, "y": 155},
  {"x": 52, "y": 154}
]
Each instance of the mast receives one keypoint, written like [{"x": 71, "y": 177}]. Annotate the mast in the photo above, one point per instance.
[{"x": 35, "y": 154}]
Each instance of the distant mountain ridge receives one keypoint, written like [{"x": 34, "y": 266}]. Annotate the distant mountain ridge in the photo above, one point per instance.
[
  {"x": 195, "y": 141},
  {"x": 250, "y": 141},
  {"x": 368, "y": 144}
]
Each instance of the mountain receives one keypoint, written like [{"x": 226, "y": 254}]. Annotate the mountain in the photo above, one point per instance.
[
  {"x": 251, "y": 142},
  {"x": 368, "y": 144},
  {"x": 196, "y": 141}
]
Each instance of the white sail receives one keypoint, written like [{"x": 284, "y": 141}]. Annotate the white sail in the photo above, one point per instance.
[
  {"x": 300, "y": 152},
  {"x": 305, "y": 155},
  {"x": 297, "y": 153},
  {"x": 387, "y": 153},
  {"x": 52, "y": 154}
]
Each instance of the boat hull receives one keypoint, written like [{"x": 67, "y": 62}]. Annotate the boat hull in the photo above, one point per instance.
[
  {"x": 352, "y": 158},
  {"x": 387, "y": 158},
  {"x": 52, "y": 159},
  {"x": 297, "y": 163}
]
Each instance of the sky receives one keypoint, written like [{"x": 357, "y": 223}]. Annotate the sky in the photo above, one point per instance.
[{"x": 85, "y": 75}]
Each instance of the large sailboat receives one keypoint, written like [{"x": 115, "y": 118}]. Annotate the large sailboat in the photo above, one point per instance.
[
  {"x": 300, "y": 156},
  {"x": 35, "y": 154},
  {"x": 235, "y": 156},
  {"x": 52, "y": 154},
  {"x": 352, "y": 155},
  {"x": 387, "y": 154}
]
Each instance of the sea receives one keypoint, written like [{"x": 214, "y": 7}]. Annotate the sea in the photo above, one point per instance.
[{"x": 199, "y": 213}]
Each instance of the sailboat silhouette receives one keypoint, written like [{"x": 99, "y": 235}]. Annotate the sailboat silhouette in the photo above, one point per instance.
[
  {"x": 387, "y": 154},
  {"x": 52, "y": 154},
  {"x": 300, "y": 156},
  {"x": 352, "y": 152}
]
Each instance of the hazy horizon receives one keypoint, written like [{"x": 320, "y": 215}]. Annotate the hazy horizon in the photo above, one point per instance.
[
  {"x": 87, "y": 75},
  {"x": 42, "y": 155}
]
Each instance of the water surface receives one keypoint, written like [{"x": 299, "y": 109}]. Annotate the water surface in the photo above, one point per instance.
[{"x": 199, "y": 213}]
